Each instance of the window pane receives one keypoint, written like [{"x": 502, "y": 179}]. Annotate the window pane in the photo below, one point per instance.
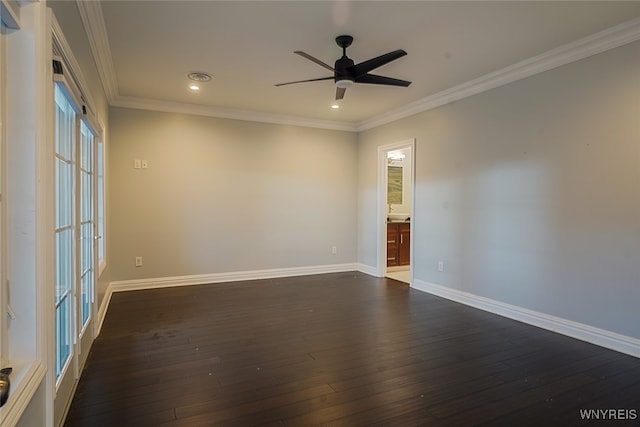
[
  {"x": 86, "y": 220},
  {"x": 86, "y": 148},
  {"x": 86, "y": 296},
  {"x": 85, "y": 194},
  {"x": 63, "y": 334},
  {"x": 64, "y": 262},
  {"x": 100, "y": 195},
  {"x": 64, "y": 220},
  {"x": 57, "y": 184}
]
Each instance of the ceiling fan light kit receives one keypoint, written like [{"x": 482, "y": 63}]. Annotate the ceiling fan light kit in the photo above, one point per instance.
[
  {"x": 344, "y": 83},
  {"x": 346, "y": 73}
]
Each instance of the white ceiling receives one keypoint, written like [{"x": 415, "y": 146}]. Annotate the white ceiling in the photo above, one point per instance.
[{"x": 248, "y": 47}]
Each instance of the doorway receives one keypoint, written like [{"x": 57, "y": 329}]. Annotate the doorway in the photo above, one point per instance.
[{"x": 396, "y": 189}]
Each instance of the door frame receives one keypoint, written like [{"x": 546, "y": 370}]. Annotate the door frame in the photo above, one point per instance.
[{"x": 381, "y": 216}]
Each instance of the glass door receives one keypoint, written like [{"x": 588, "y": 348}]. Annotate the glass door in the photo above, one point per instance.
[
  {"x": 86, "y": 232},
  {"x": 75, "y": 228},
  {"x": 64, "y": 230}
]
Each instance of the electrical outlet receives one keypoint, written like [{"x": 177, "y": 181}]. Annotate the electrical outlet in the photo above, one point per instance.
[
  {"x": 137, "y": 164},
  {"x": 138, "y": 261},
  {"x": 440, "y": 266},
  {"x": 334, "y": 250}
]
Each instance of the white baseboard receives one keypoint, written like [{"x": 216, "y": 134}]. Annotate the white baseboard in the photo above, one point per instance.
[
  {"x": 367, "y": 269},
  {"x": 203, "y": 279},
  {"x": 593, "y": 335},
  {"x": 102, "y": 311}
]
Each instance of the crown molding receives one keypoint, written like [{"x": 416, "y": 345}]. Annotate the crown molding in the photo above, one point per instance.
[
  {"x": 94, "y": 26},
  {"x": 229, "y": 113},
  {"x": 602, "y": 41},
  {"x": 616, "y": 36}
]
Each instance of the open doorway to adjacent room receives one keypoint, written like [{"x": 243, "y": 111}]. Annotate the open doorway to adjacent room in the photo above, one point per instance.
[{"x": 396, "y": 190}]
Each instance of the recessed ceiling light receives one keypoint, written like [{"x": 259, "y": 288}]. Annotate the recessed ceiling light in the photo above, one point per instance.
[
  {"x": 335, "y": 106},
  {"x": 194, "y": 88}
]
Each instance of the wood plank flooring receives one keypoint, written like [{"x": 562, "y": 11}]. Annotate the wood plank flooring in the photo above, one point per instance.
[{"x": 343, "y": 349}]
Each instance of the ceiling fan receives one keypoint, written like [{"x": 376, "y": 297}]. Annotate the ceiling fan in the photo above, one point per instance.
[{"x": 346, "y": 73}]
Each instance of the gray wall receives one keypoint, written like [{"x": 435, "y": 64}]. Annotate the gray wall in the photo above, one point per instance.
[
  {"x": 529, "y": 193},
  {"x": 225, "y": 195}
]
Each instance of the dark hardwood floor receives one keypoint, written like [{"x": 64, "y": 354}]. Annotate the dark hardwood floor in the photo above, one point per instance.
[{"x": 342, "y": 349}]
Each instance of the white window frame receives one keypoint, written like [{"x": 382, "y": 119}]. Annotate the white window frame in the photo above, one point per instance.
[{"x": 9, "y": 22}]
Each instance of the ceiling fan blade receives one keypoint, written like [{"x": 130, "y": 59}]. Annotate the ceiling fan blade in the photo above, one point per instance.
[
  {"x": 304, "y": 81},
  {"x": 316, "y": 60},
  {"x": 340, "y": 93},
  {"x": 381, "y": 80},
  {"x": 379, "y": 61}
]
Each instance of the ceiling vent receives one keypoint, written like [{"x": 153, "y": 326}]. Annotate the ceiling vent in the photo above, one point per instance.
[{"x": 199, "y": 77}]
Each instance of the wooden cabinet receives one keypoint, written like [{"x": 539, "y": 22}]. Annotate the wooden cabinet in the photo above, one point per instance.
[
  {"x": 392, "y": 244},
  {"x": 404, "y": 254},
  {"x": 398, "y": 238}
]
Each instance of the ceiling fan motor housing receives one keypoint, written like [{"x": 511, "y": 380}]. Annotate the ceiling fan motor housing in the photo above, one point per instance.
[{"x": 343, "y": 76}]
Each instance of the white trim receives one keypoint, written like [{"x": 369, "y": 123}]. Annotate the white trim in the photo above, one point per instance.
[
  {"x": 585, "y": 47},
  {"x": 24, "y": 385},
  {"x": 368, "y": 269},
  {"x": 204, "y": 279},
  {"x": 102, "y": 311},
  {"x": 102, "y": 264},
  {"x": 229, "y": 113},
  {"x": 65, "y": 410},
  {"x": 94, "y": 25},
  {"x": 593, "y": 335},
  {"x": 93, "y": 22},
  {"x": 45, "y": 217},
  {"x": 613, "y": 37}
]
